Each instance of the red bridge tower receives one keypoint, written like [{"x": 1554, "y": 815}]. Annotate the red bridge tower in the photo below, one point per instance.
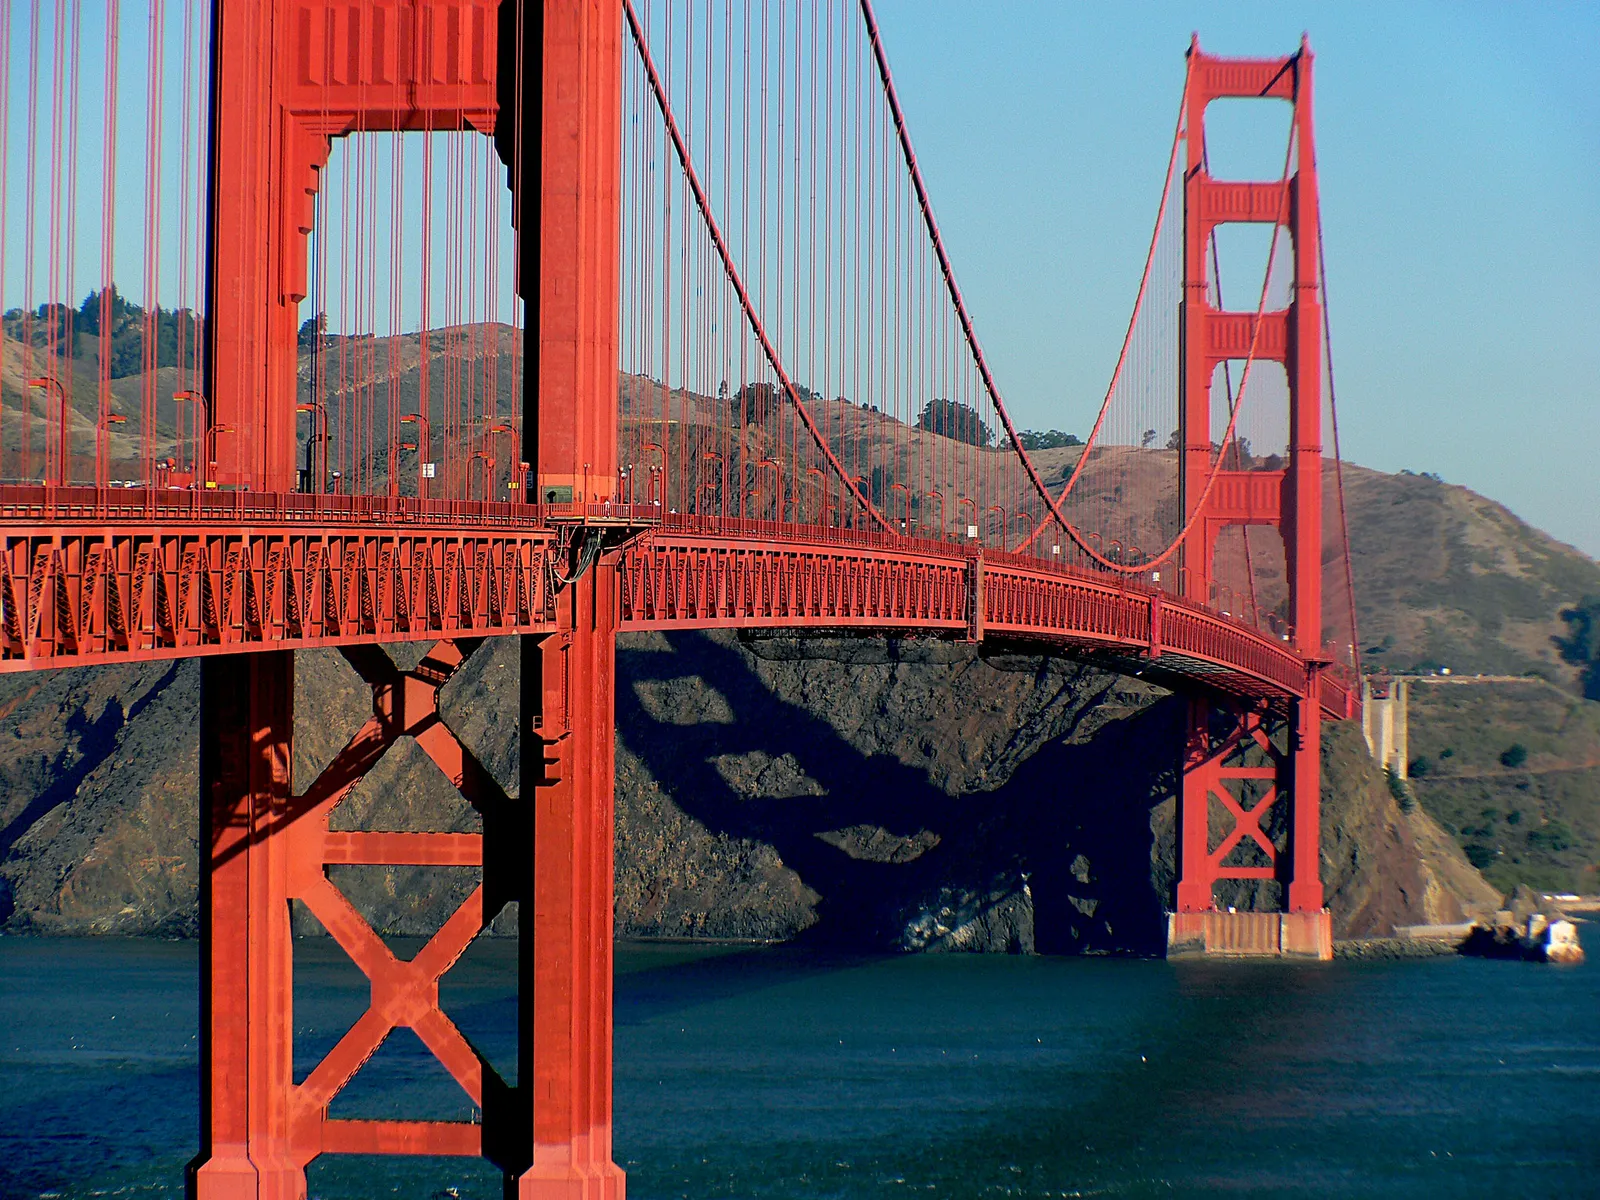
[
  {"x": 543, "y": 77},
  {"x": 1230, "y": 756}
]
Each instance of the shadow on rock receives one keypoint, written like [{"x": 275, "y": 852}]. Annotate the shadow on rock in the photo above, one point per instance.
[{"x": 1034, "y": 834}]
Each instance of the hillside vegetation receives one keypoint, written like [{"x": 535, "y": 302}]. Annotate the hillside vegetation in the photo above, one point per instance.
[
  {"x": 1512, "y": 771},
  {"x": 1448, "y": 578},
  {"x": 1444, "y": 578}
]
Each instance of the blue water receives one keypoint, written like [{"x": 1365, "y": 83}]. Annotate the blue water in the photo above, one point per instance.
[{"x": 788, "y": 1073}]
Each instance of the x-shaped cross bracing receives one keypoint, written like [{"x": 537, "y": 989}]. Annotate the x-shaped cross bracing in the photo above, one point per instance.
[{"x": 403, "y": 993}]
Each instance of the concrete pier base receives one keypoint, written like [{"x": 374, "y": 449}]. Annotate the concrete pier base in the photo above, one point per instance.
[{"x": 1250, "y": 934}]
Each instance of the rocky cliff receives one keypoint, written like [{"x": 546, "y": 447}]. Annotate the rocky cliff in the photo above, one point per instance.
[{"x": 871, "y": 793}]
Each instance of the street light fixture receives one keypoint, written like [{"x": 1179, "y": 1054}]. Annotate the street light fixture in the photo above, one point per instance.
[
  {"x": 211, "y": 453},
  {"x": 317, "y": 439},
  {"x": 200, "y": 412},
  {"x": 1022, "y": 516},
  {"x": 657, "y": 472},
  {"x": 777, "y": 471},
  {"x": 855, "y": 481},
  {"x": 495, "y": 430},
  {"x": 905, "y": 525},
  {"x": 972, "y": 525},
  {"x": 102, "y": 465},
  {"x": 1001, "y": 509},
  {"x": 722, "y": 476},
  {"x": 56, "y": 470},
  {"x": 822, "y": 509},
  {"x": 421, "y": 446}
]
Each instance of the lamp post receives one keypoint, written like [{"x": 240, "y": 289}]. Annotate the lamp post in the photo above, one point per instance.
[
  {"x": 199, "y": 418},
  {"x": 777, "y": 471},
  {"x": 973, "y": 524},
  {"x": 905, "y": 525},
  {"x": 722, "y": 476},
  {"x": 1022, "y": 516},
  {"x": 857, "y": 481},
  {"x": 318, "y": 438},
  {"x": 55, "y": 470},
  {"x": 421, "y": 446},
  {"x": 102, "y": 465},
  {"x": 939, "y": 496},
  {"x": 822, "y": 479},
  {"x": 656, "y": 472},
  {"x": 1001, "y": 509},
  {"x": 500, "y": 429},
  {"x": 211, "y": 453}
]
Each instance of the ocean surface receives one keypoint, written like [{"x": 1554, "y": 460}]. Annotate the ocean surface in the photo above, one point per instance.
[{"x": 793, "y": 1073}]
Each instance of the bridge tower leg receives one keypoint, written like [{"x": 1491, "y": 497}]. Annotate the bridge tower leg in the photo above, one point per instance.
[
  {"x": 1289, "y": 499},
  {"x": 246, "y": 735},
  {"x": 544, "y": 76},
  {"x": 565, "y": 158}
]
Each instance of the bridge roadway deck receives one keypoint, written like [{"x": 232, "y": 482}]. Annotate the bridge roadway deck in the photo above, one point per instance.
[{"x": 92, "y": 576}]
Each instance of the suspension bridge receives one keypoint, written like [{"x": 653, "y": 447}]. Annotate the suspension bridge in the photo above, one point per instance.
[{"x": 433, "y": 321}]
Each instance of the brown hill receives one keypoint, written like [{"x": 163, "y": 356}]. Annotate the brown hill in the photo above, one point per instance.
[
  {"x": 96, "y": 787},
  {"x": 1448, "y": 578}
]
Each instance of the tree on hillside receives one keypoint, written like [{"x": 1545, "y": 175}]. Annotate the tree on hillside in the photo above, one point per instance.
[
  {"x": 1581, "y": 646},
  {"x": 311, "y": 329},
  {"x": 1048, "y": 439},
  {"x": 953, "y": 419},
  {"x": 755, "y": 402},
  {"x": 77, "y": 333}
]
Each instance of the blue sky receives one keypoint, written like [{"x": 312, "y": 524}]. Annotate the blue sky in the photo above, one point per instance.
[{"x": 1459, "y": 153}]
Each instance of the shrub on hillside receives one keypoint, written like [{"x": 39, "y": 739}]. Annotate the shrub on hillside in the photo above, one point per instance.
[
  {"x": 953, "y": 419},
  {"x": 1401, "y": 791}
]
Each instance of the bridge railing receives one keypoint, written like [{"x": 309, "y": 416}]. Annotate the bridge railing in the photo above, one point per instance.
[
  {"x": 88, "y": 505},
  {"x": 1020, "y": 593}
]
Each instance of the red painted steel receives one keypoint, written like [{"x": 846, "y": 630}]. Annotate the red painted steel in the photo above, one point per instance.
[
  {"x": 1289, "y": 500},
  {"x": 97, "y": 575},
  {"x": 130, "y": 592},
  {"x": 569, "y": 679},
  {"x": 310, "y": 571},
  {"x": 288, "y": 76},
  {"x": 265, "y": 847}
]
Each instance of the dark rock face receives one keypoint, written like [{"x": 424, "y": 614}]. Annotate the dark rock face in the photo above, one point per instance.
[
  {"x": 98, "y": 792},
  {"x": 915, "y": 795},
  {"x": 909, "y": 796}
]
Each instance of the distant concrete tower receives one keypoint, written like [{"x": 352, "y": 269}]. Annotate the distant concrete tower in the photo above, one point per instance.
[{"x": 1385, "y": 725}]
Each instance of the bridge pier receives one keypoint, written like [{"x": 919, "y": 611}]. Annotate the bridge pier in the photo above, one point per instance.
[
  {"x": 264, "y": 846},
  {"x": 1240, "y": 770},
  {"x": 565, "y": 965},
  {"x": 246, "y": 738}
]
